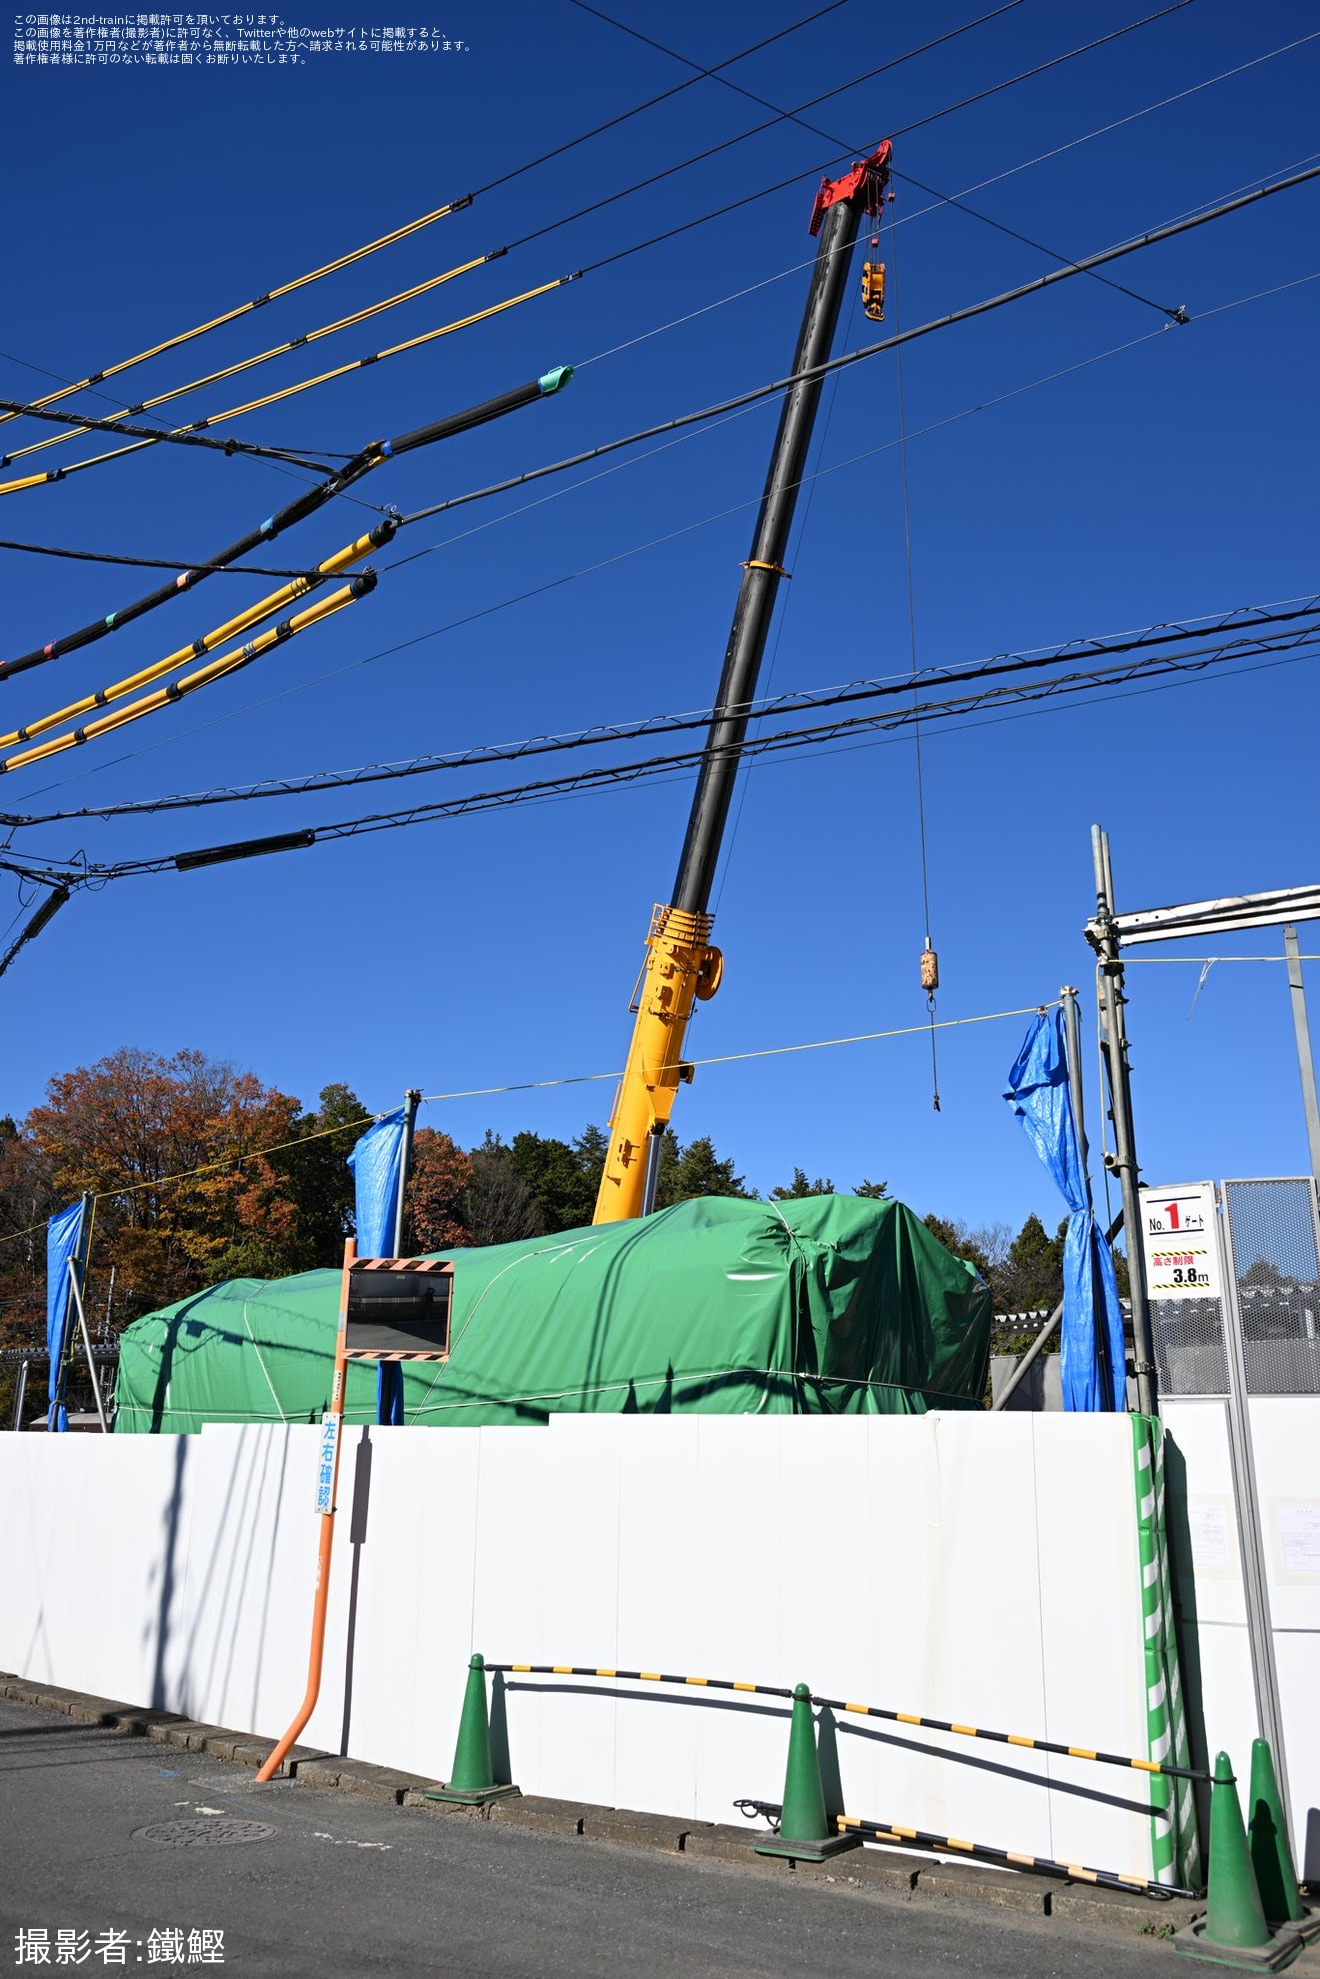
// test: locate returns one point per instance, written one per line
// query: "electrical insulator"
(930, 970)
(873, 290)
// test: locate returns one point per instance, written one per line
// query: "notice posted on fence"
(1180, 1241)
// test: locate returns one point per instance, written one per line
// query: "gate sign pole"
(1180, 1242)
(390, 1310)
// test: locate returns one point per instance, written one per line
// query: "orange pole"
(322, 1595)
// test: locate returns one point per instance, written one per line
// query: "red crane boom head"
(865, 183)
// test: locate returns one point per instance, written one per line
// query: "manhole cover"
(203, 1834)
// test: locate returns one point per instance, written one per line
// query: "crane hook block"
(930, 971)
(873, 290)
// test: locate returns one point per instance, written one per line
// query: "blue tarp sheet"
(63, 1233)
(377, 1164)
(1091, 1343)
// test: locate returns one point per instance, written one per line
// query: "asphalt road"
(347, 1886)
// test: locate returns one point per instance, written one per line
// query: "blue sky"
(1173, 478)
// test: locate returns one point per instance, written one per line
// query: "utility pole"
(682, 966)
(1113, 1037)
(1305, 1061)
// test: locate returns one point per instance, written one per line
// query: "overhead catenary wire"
(353, 469)
(189, 683)
(298, 510)
(303, 385)
(582, 782)
(363, 315)
(422, 288)
(550, 584)
(964, 315)
(410, 227)
(779, 185)
(30, 481)
(944, 199)
(84, 423)
(1252, 630)
(244, 621)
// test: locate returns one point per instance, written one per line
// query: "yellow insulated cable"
(351, 553)
(305, 385)
(246, 308)
(262, 357)
(188, 683)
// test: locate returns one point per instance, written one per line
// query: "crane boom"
(682, 966)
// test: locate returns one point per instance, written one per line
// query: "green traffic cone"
(805, 1831)
(1271, 1856)
(473, 1783)
(1234, 1931)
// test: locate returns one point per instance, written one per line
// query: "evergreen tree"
(875, 1191)
(800, 1186)
(695, 1170)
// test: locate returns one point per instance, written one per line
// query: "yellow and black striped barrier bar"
(1043, 1865)
(636, 1677)
(864, 1711)
(1015, 1738)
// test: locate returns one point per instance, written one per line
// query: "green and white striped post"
(1175, 1852)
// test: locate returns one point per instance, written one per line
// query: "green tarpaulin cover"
(833, 1305)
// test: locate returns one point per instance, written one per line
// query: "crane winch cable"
(264, 608)
(423, 220)
(679, 763)
(1244, 633)
(945, 322)
(304, 385)
(188, 683)
(296, 511)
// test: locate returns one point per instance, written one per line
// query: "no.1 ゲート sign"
(1180, 1241)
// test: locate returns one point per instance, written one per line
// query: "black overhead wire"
(763, 192)
(779, 117)
(945, 199)
(1244, 632)
(293, 512)
(84, 873)
(515, 173)
(1033, 287)
(86, 424)
(538, 234)
(151, 563)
